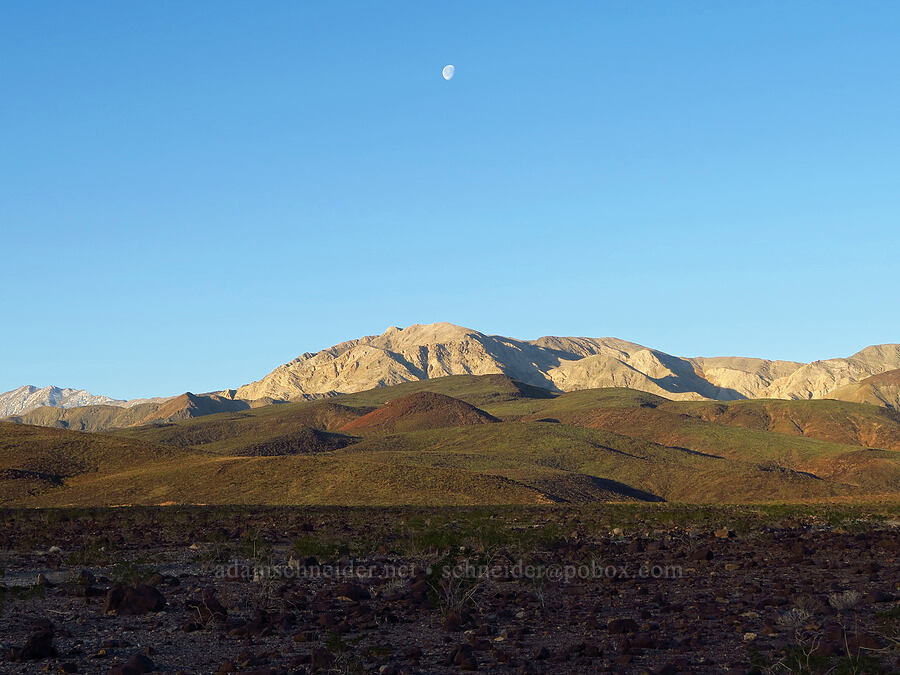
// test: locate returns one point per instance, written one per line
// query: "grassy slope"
(36, 459)
(233, 433)
(609, 444)
(731, 435)
(418, 412)
(561, 460)
(841, 422)
(68, 453)
(292, 479)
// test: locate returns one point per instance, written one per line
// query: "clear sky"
(192, 193)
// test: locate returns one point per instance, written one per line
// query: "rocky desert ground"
(611, 588)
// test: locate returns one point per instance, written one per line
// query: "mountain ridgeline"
(560, 364)
(425, 352)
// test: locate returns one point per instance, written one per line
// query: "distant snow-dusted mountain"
(28, 397)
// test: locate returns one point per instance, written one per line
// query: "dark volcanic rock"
(38, 646)
(207, 607)
(353, 592)
(138, 664)
(464, 658)
(321, 658)
(133, 600)
(702, 554)
(619, 626)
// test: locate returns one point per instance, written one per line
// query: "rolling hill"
(36, 460)
(416, 412)
(469, 440)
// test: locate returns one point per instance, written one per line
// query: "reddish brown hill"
(419, 411)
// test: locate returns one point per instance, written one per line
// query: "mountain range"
(560, 364)
(423, 352)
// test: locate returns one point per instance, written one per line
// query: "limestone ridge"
(560, 363)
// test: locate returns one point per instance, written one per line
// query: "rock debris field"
(443, 591)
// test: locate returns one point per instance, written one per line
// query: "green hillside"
(426, 448)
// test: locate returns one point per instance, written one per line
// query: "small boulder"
(321, 658)
(463, 657)
(621, 626)
(702, 554)
(207, 607)
(38, 646)
(133, 600)
(353, 592)
(138, 664)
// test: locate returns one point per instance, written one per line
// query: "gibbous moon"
(448, 71)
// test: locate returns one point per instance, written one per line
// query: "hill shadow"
(623, 489)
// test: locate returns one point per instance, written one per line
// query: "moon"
(448, 72)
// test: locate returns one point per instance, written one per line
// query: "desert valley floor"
(610, 588)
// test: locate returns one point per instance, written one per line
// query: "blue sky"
(193, 193)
